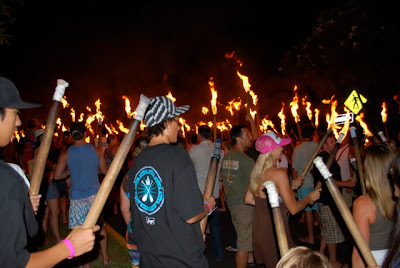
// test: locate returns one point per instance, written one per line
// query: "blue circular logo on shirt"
(149, 193)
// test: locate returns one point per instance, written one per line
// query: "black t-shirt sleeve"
(188, 200)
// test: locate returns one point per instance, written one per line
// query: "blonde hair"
(303, 257)
(378, 158)
(263, 162)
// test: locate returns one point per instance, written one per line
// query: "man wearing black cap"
(17, 219)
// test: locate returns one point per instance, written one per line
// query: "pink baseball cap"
(267, 142)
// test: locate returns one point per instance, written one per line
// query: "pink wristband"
(209, 206)
(70, 247)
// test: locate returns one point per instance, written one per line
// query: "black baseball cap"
(10, 98)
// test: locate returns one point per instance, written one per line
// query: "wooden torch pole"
(44, 148)
(116, 164)
(346, 214)
(278, 219)
(210, 182)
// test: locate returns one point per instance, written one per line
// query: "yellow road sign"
(355, 102)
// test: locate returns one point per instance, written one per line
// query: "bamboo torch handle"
(116, 164)
(315, 153)
(41, 159)
(346, 214)
(278, 220)
(359, 159)
(210, 182)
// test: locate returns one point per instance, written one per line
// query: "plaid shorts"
(330, 228)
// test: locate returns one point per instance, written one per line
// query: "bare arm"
(364, 214)
(249, 198)
(207, 210)
(281, 181)
(81, 239)
(102, 163)
(125, 203)
(61, 171)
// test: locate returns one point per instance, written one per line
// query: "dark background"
(109, 49)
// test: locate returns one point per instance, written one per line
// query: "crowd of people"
(159, 192)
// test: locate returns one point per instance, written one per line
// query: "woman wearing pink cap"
(270, 147)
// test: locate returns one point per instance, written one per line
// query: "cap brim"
(23, 105)
(181, 109)
(284, 141)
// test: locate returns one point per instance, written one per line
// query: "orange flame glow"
(308, 108)
(234, 105)
(282, 117)
(204, 110)
(294, 105)
(73, 114)
(128, 109)
(99, 115)
(108, 128)
(81, 117)
(330, 119)
(346, 126)
(265, 123)
(88, 108)
(89, 121)
(214, 96)
(64, 102)
(169, 96)
(316, 117)
(359, 118)
(384, 113)
(121, 127)
(253, 114)
(87, 139)
(246, 86)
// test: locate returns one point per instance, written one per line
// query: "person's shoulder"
(363, 201)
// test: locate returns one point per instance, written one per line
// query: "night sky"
(113, 49)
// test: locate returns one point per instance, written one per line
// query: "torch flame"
(81, 117)
(347, 123)
(108, 128)
(121, 127)
(282, 117)
(265, 123)
(99, 114)
(383, 113)
(294, 105)
(73, 114)
(330, 119)
(89, 121)
(246, 86)
(308, 108)
(170, 96)
(234, 105)
(214, 96)
(64, 102)
(316, 117)
(359, 118)
(88, 108)
(87, 139)
(253, 114)
(128, 109)
(204, 110)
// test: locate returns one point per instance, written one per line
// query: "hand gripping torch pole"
(44, 148)
(210, 182)
(116, 164)
(344, 210)
(278, 220)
